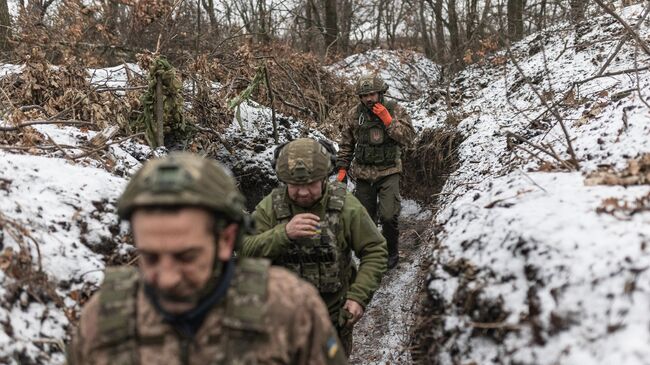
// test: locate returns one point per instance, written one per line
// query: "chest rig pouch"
(243, 322)
(320, 260)
(374, 146)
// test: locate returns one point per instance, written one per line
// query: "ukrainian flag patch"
(332, 347)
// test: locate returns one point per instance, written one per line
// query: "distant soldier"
(189, 301)
(312, 226)
(373, 137)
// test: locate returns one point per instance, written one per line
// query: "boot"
(391, 234)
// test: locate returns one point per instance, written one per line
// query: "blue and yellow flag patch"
(332, 347)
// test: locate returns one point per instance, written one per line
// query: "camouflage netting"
(174, 125)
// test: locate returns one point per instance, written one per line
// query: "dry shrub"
(624, 210)
(43, 91)
(428, 164)
(637, 172)
(301, 87)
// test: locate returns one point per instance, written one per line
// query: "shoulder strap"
(337, 192)
(117, 314)
(280, 205)
(245, 308)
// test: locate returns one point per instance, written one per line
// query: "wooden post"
(160, 113)
(267, 80)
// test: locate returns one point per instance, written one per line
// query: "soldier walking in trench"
(312, 226)
(373, 138)
(189, 301)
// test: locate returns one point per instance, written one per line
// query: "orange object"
(382, 113)
(341, 176)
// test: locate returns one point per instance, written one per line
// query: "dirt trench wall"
(428, 164)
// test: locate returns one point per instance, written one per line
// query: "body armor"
(244, 312)
(320, 260)
(374, 146)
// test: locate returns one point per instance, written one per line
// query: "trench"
(390, 330)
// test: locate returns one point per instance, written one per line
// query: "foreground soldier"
(372, 139)
(191, 302)
(311, 227)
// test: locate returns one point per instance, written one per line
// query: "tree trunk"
(424, 31)
(208, 6)
(577, 9)
(515, 10)
(541, 21)
(472, 18)
(331, 24)
(441, 45)
(5, 26)
(454, 35)
(380, 11)
(309, 29)
(346, 26)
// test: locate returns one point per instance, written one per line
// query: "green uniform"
(356, 232)
(372, 153)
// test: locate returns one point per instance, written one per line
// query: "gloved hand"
(342, 176)
(380, 110)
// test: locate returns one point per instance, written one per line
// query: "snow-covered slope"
(406, 72)
(536, 267)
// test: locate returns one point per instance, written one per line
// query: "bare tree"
(577, 9)
(5, 26)
(331, 32)
(424, 29)
(345, 21)
(515, 9)
(440, 30)
(454, 34)
(208, 6)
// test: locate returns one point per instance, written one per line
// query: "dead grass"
(429, 163)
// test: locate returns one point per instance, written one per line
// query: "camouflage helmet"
(183, 179)
(303, 161)
(368, 84)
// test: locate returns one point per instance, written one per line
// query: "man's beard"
(171, 297)
(306, 203)
(370, 104)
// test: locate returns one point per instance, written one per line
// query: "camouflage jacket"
(292, 327)
(357, 232)
(400, 130)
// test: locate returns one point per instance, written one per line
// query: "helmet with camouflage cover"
(303, 161)
(368, 84)
(183, 179)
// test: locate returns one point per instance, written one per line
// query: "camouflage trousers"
(383, 197)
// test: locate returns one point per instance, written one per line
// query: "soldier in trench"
(312, 226)
(189, 301)
(372, 141)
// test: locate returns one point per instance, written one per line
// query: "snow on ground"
(536, 267)
(61, 205)
(114, 77)
(407, 73)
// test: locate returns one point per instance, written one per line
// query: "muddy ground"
(383, 335)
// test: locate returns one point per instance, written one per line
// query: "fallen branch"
(622, 42)
(65, 154)
(627, 27)
(537, 147)
(553, 111)
(495, 326)
(218, 135)
(40, 122)
(125, 88)
(88, 153)
(614, 73)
